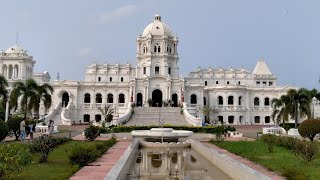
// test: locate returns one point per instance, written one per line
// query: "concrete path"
(100, 168)
(251, 164)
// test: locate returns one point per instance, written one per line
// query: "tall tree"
(206, 111)
(28, 95)
(297, 102)
(3, 90)
(279, 112)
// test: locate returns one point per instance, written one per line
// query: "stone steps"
(150, 116)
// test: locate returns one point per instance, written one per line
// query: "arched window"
(220, 100)
(170, 50)
(98, 98)
(239, 100)
(266, 101)
(257, 119)
(227, 82)
(204, 101)
(144, 70)
(87, 98)
(155, 49)
(205, 83)
(110, 79)
(97, 117)
(256, 101)
(159, 49)
(156, 70)
(193, 99)
(230, 100)
(86, 118)
(110, 98)
(230, 119)
(121, 79)
(121, 98)
(267, 119)
(99, 79)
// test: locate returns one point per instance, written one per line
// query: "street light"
(314, 102)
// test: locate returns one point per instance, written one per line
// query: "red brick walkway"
(100, 168)
(251, 164)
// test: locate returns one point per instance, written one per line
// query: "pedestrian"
(51, 127)
(23, 130)
(31, 128)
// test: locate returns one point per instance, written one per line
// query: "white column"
(7, 111)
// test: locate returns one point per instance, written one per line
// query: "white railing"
(45, 129)
(189, 118)
(125, 117)
(64, 119)
(52, 113)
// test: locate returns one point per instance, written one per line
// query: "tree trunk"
(296, 118)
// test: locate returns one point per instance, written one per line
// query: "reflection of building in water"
(173, 163)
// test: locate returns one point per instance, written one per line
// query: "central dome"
(16, 49)
(157, 28)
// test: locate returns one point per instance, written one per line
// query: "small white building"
(240, 96)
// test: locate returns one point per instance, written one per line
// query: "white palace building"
(239, 95)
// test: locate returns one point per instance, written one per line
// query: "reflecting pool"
(173, 164)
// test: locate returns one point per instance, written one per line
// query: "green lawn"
(58, 165)
(283, 161)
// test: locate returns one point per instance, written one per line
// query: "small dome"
(157, 28)
(16, 49)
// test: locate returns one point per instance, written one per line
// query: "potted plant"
(107, 112)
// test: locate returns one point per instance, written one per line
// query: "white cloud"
(84, 52)
(105, 17)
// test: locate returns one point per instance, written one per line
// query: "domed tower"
(157, 51)
(16, 64)
(157, 79)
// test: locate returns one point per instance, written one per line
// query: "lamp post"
(314, 102)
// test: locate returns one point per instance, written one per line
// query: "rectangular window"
(270, 83)
(205, 83)
(258, 83)
(156, 70)
(144, 70)
(264, 83)
(217, 82)
(169, 70)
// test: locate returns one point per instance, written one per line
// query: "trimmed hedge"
(83, 155)
(205, 129)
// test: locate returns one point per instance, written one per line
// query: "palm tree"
(297, 102)
(278, 112)
(206, 111)
(107, 112)
(29, 94)
(3, 90)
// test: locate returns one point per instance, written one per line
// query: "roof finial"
(157, 17)
(58, 76)
(17, 38)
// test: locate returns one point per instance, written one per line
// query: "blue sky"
(66, 36)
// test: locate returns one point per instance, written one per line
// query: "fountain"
(161, 134)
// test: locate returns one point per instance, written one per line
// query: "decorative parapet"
(194, 121)
(125, 117)
(64, 119)
(52, 113)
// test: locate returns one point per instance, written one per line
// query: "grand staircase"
(144, 116)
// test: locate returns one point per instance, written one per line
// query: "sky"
(66, 36)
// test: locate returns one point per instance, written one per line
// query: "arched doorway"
(157, 98)
(139, 100)
(175, 100)
(65, 99)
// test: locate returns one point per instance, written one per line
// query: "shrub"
(14, 125)
(270, 139)
(3, 130)
(286, 142)
(13, 158)
(294, 173)
(43, 144)
(92, 132)
(306, 150)
(83, 155)
(309, 128)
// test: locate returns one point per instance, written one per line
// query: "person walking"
(51, 127)
(31, 128)
(23, 130)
